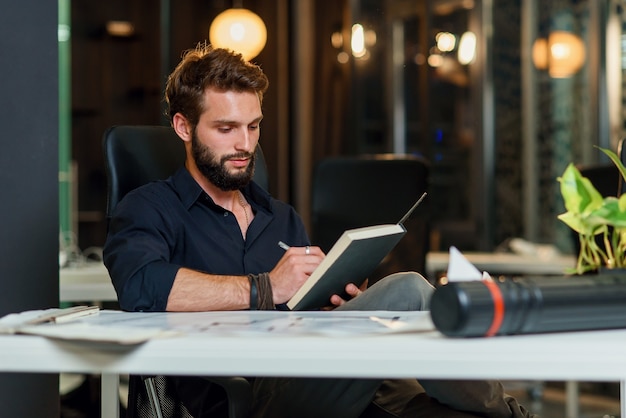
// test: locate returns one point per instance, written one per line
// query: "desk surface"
(591, 355)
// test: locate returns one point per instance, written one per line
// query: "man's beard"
(215, 171)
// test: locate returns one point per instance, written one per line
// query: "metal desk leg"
(571, 399)
(622, 397)
(110, 396)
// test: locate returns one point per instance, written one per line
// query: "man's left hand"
(352, 290)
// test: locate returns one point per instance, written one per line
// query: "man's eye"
(225, 130)
(253, 127)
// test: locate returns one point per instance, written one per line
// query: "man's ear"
(182, 127)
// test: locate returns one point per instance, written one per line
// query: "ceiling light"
(240, 30)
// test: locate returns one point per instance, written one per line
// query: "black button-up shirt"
(158, 228)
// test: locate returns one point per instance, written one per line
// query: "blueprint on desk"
(136, 327)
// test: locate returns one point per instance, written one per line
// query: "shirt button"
(225, 214)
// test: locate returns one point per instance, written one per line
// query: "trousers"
(349, 398)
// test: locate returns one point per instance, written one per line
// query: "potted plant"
(599, 221)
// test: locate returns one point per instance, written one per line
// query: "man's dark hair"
(207, 67)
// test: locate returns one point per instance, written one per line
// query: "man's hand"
(292, 271)
(352, 290)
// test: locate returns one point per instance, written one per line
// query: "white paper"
(87, 328)
(460, 269)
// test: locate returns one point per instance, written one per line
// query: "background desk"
(590, 356)
(91, 282)
(87, 282)
(502, 264)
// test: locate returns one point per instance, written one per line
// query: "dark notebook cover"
(353, 257)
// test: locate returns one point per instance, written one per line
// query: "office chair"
(352, 192)
(136, 155)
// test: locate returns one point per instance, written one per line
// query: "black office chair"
(136, 155)
(352, 192)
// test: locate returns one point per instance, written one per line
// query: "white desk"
(87, 282)
(589, 356)
(503, 263)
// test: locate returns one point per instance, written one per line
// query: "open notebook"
(351, 259)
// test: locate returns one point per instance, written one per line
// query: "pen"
(283, 245)
(64, 315)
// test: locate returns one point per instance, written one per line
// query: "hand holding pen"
(351, 289)
(292, 270)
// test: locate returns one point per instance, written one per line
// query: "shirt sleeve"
(137, 252)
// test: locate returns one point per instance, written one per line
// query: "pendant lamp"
(240, 30)
(562, 54)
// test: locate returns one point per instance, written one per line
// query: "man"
(207, 239)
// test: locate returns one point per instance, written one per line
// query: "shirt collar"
(190, 192)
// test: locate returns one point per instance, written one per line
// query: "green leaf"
(622, 202)
(574, 221)
(609, 214)
(590, 215)
(579, 195)
(616, 160)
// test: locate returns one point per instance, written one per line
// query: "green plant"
(592, 216)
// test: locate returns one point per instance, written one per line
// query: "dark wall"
(115, 81)
(28, 180)
(120, 80)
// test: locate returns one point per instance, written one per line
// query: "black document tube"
(529, 305)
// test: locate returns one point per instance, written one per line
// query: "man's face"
(225, 138)
(215, 169)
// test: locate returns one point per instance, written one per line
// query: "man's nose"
(245, 141)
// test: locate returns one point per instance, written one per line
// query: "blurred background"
(498, 96)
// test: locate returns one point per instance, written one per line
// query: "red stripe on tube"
(498, 308)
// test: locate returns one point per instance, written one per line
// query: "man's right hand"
(292, 271)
